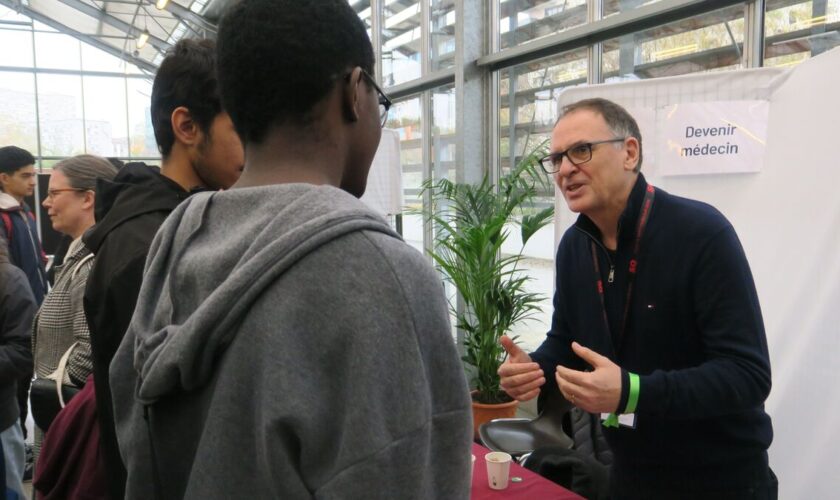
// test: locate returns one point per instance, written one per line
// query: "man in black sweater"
(656, 324)
(200, 151)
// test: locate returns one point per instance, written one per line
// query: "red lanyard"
(633, 268)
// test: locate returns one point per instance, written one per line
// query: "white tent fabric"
(384, 187)
(788, 219)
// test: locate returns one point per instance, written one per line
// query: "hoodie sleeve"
(17, 310)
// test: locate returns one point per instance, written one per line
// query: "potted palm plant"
(472, 222)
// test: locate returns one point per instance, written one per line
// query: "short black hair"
(186, 77)
(13, 158)
(278, 58)
(618, 119)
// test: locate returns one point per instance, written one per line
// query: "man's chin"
(575, 206)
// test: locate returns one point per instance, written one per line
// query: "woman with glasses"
(60, 326)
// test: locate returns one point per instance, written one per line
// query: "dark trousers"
(23, 400)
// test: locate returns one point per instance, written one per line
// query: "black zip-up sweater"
(694, 335)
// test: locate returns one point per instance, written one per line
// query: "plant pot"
(487, 412)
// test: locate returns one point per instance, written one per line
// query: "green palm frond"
(471, 224)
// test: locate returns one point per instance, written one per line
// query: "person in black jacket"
(656, 325)
(200, 151)
(17, 309)
(20, 230)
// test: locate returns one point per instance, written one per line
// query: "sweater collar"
(627, 220)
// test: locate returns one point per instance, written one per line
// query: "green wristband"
(633, 397)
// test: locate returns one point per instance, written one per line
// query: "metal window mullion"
(425, 37)
(753, 52)
(84, 115)
(494, 135)
(127, 120)
(595, 12)
(71, 72)
(495, 31)
(376, 36)
(37, 105)
(425, 118)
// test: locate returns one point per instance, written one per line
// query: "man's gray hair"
(83, 170)
(620, 122)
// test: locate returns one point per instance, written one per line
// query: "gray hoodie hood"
(201, 257)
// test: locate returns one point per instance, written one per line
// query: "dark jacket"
(24, 246)
(695, 336)
(17, 309)
(129, 210)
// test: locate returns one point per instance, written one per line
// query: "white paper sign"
(712, 137)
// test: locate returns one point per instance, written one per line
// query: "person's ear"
(4, 178)
(351, 95)
(88, 200)
(185, 129)
(631, 158)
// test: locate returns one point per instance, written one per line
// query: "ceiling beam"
(186, 14)
(90, 40)
(121, 25)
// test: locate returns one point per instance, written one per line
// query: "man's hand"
(598, 391)
(520, 377)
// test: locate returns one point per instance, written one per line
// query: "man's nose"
(566, 167)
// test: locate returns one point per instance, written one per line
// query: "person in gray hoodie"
(286, 342)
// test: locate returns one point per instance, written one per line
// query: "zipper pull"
(611, 277)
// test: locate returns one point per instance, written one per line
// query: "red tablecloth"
(532, 487)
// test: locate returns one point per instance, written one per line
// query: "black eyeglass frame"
(554, 160)
(384, 101)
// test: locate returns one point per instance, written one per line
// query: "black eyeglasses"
(384, 101)
(577, 154)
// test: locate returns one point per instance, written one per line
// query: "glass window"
(405, 117)
(142, 142)
(615, 6)
(442, 34)
(17, 114)
(362, 8)
(94, 59)
(401, 41)
(528, 101)
(709, 42)
(20, 39)
(528, 109)
(443, 132)
(60, 109)
(54, 50)
(7, 14)
(796, 31)
(106, 123)
(521, 22)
